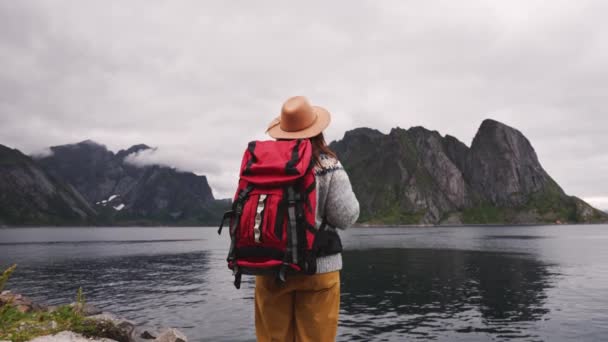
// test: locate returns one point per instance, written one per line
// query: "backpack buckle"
(292, 196)
(282, 275)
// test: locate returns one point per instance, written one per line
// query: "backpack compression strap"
(291, 252)
(238, 210)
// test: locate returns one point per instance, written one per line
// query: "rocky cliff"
(413, 176)
(125, 193)
(31, 196)
(419, 176)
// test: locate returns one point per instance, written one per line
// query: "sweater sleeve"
(342, 207)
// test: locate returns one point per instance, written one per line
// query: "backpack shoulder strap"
(295, 156)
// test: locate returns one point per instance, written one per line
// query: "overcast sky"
(200, 79)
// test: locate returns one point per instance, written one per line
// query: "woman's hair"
(319, 146)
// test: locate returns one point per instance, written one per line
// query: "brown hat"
(299, 119)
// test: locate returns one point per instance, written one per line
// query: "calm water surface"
(440, 284)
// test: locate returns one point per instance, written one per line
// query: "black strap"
(307, 192)
(228, 214)
(281, 210)
(311, 228)
(296, 236)
(290, 168)
(282, 275)
(323, 224)
(238, 210)
(237, 279)
(291, 252)
(301, 227)
(292, 235)
(265, 252)
(244, 193)
(252, 159)
(233, 228)
(311, 187)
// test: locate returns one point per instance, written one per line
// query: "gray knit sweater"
(335, 201)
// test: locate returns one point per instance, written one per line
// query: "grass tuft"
(17, 326)
(5, 275)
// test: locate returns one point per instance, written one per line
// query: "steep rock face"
(389, 197)
(30, 196)
(503, 166)
(403, 177)
(160, 190)
(418, 176)
(456, 151)
(88, 166)
(437, 162)
(128, 193)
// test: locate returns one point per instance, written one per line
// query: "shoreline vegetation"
(21, 319)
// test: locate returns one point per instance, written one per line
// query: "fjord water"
(543, 283)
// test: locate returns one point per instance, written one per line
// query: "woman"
(306, 307)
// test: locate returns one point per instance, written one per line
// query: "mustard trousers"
(305, 308)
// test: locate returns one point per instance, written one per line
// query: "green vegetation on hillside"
(485, 214)
(392, 215)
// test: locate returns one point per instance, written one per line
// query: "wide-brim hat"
(298, 120)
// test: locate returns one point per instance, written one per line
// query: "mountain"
(421, 177)
(30, 196)
(408, 176)
(124, 193)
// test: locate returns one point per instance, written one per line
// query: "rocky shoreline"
(119, 328)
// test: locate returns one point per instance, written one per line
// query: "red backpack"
(272, 221)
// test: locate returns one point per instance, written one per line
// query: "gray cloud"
(42, 153)
(199, 80)
(175, 158)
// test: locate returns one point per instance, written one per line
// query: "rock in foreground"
(68, 336)
(171, 335)
(26, 319)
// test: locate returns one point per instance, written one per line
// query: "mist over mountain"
(124, 192)
(413, 176)
(416, 176)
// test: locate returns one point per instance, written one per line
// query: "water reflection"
(442, 294)
(440, 284)
(136, 286)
